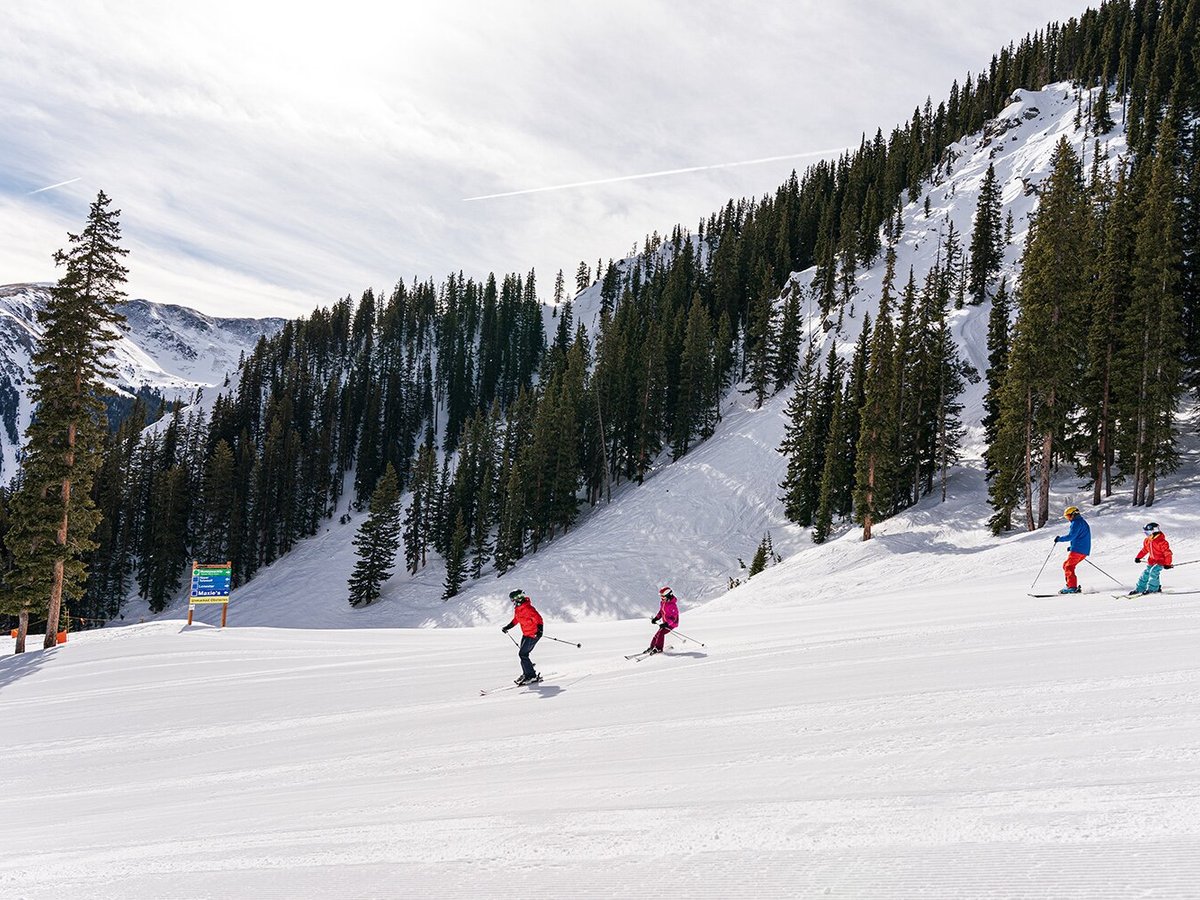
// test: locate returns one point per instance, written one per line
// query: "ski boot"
(1069, 590)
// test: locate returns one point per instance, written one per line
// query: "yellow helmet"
(1070, 511)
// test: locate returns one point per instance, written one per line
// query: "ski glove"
(1168, 567)
(539, 631)
(654, 620)
(505, 628)
(1137, 559)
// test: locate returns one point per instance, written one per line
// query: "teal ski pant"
(1149, 580)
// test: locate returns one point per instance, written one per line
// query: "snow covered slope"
(893, 720)
(172, 349)
(1020, 143)
(693, 520)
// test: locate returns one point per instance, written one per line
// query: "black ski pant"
(527, 645)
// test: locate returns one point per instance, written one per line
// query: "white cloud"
(268, 156)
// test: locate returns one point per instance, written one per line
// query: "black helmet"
(517, 597)
(1150, 528)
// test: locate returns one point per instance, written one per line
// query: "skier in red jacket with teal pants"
(668, 613)
(530, 621)
(1157, 553)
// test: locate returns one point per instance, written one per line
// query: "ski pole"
(1101, 571)
(686, 638)
(1188, 563)
(572, 643)
(1043, 568)
(513, 639)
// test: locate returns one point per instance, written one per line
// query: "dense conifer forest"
(496, 432)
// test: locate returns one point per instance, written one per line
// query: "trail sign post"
(210, 584)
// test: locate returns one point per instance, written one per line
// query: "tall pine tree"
(377, 541)
(54, 515)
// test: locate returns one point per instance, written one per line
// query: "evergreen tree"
(1151, 364)
(950, 271)
(695, 375)
(1053, 303)
(832, 474)
(166, 555)
(1102, 121)
(801, 443)
(760, 350)
(510, 543)
(986, 247)
(1113, 244)
(1010, 454)
(875, 462)
(950, 379)
(377, 541)
(560, 290)
(456, 559)
(787, 355)
(999, 323)
(762, 556)
(54, 515)
(418, 519)
(219, 502)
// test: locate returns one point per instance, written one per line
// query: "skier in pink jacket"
(667, 615)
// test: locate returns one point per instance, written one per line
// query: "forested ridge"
(499, 430)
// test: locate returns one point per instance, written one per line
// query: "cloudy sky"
(268, 157)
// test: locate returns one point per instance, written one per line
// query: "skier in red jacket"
(1157, 552)
(531, 631)
(668, 613)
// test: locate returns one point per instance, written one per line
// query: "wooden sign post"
(210, 584)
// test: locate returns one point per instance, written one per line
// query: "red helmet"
(664, 592)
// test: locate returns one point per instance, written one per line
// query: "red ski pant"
(1073, 559)
(657, 641)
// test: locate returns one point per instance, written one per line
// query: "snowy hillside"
(693, 520)
(1020, 143)
(172, 349)
(891, 719)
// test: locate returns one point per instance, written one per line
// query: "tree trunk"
(1139, 458)
(869, 497)
(56, 584)
(1106, 454)
(1029, 526)
(22, 630)
(1044, 478)
(942, 453)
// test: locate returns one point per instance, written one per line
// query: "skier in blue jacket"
(1079, 545)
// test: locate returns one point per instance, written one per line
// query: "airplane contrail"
(728, 165)
(51, 187)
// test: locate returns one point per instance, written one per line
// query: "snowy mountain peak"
(170, 349)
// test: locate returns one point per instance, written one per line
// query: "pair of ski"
(487, 692)
(638, 657)
(1128, 596)
(483, 692)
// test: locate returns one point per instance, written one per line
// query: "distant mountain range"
(166, 348)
